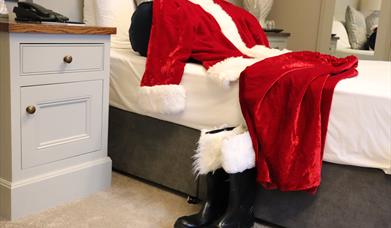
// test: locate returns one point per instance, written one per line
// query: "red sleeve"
(169, 44)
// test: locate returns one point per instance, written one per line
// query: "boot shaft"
(217, 189)
(242, 189)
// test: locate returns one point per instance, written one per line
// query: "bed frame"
(160, 152)
(154, 150)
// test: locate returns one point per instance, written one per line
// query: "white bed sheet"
(359, 131)
(207, 106)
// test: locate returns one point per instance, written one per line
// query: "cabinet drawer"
(60, 58)
(60, 121)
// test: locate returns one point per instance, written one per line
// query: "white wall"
(301, 19)
(383, 40)
(70, 8)
(340, 8)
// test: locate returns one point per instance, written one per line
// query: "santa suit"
(226, 40)
(215, 33)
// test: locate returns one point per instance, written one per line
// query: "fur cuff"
(237, 153)
(163, 99)
(208, 154)
(229, 70)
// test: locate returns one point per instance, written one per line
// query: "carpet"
(129, 203)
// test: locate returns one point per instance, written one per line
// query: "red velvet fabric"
(285, 99)
(286, 102)
(182, 30)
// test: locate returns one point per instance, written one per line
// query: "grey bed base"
(160, 152)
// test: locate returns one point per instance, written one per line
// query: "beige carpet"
(129, 203)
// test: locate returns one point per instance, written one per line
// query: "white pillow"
(372, 21)
(356, 28)
(116, 13)
(340, 31)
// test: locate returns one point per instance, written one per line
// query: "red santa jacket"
(223, 37)
(285, 100)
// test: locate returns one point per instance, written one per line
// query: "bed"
(358, 103)
(158, 148)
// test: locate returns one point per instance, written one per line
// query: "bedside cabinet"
(278, 40)
(54, 82)
(333, 44)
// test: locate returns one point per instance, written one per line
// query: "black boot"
(215, 205)
(240, 212)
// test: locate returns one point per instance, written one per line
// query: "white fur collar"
(231, 32)
(227, 25)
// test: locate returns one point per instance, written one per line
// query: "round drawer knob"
(68, 59)
(31, 109)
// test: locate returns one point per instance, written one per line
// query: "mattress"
(207, 106)
(359, 131)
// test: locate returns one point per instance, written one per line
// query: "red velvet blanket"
(286, 103)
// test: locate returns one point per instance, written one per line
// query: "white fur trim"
(237, 153)
(263, 52)
(208, 154)
(164, 99)
(227, 25)
(229, 70)
(231, 32)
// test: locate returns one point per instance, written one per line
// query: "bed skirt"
(348, 196)
(160, 152)
(153, 150)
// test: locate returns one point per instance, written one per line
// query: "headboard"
(113, 14)
(116, 14)
(89, 9)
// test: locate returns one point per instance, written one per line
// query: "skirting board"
(36, 194)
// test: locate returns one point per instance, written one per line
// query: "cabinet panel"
(278, 40)
(60, 58)
(60, 121)
(278, 45)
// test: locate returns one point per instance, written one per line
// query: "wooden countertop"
(7, 25)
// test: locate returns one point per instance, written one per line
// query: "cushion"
(340, 31)
(372, 21)
(356, 28)
(115, 14)
(140, 28)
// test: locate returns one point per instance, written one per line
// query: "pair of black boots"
(229, 202)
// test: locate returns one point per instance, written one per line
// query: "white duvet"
(359, 131)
